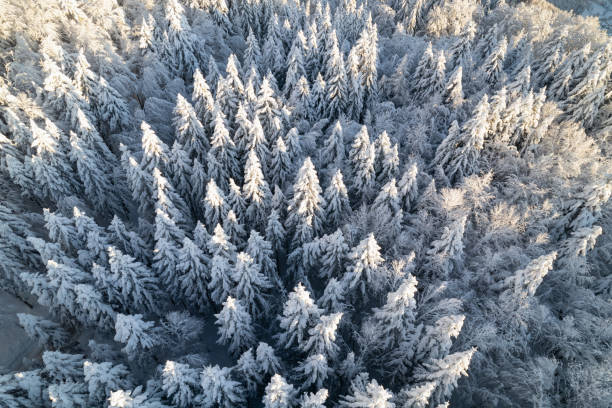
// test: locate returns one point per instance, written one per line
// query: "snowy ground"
(16, 348)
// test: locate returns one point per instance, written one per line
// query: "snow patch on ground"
(17, 350)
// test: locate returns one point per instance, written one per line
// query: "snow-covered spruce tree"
(190, 133)
(193, 263)
(103, 378)
(235, 325)
(279, 394)
(219, 389)
(256, 191)
(134, 284)
(305, 207)
(363, 268)
(299, 314)
(137, 335)
(180, 383)
(459, 152)
(362, 158)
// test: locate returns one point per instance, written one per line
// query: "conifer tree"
(336, 202)
(395, 318)
(397, 85)
(222, 162)
(140, 182)
(219, 244)
(408, 187)
(336, 80)
(333, 296)
(314, 370)
(364, 266)
(51, 165)
(180, 383)
(251, 284)
(212, 73)
(584, 100)
(300, 98)
(300, 313)
(137, 334)
(98, 186)
(436, 341)
(155, 153)
(387, 158)
(248, 370)
(362, 158)
(333, 153)
(445, 373)
(387, 203)
(235, 327)
(180, 170)
(322, 338)
(275, 231)
(61, 96)
(278, 393)
(446, 253)
(256, 141)
(295, 63)
(367, 395)
(453, 91)
(180, 47)
(316, 400)
(256, 191)
(62, 367)
(220, 390)
(461, 50)
(127, 241)
(317, 100)
(305, 207)
(235, 230)
(168, 200)
(102, 378)
(110, 107)
(267, 108)
(61, 230)
(280, 163)
(242, 128)
(252, 53)
(366, 52)
(424, 73)
(220, 284)
(134, 283)
(267, 360)
(334, 251)
(189, 131)
(492, 69)
(261, 252)
(519, 289)
(215, 205)
(193, 265)
(458, 154)
(84, 79)
(294, 145)
(45, 332)
(203, 101)
(273, 50)
(197, 181)
(235, 199)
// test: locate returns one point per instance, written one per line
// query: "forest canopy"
(300, 203)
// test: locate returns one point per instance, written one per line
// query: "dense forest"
(301, 203)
